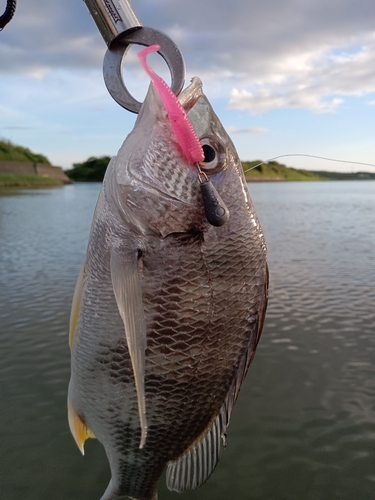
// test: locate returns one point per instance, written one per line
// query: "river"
(304, 425)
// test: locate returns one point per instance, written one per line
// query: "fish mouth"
(191, 94)
(188, 98)
(153, 105)
(153, 109)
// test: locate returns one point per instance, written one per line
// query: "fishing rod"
(8, 13)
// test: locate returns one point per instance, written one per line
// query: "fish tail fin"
(111, 493)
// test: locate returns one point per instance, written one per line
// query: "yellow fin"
(79, 429)
(76, 304)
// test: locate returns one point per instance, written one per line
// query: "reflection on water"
(304, 425)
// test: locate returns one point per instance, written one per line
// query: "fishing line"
(310, 156)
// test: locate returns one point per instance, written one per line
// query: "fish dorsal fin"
(196, 465)
(127, 289)
(76, 305)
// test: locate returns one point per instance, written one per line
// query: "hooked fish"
(170, 301)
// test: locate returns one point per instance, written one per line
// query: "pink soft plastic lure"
(181, 126)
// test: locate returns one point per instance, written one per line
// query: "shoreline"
(264, 179)
(28, 181)
(31, 174)
(8, 180)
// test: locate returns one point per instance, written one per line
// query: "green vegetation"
(340, 176)
(12, 152)
(274, 171)
(91, 170)
(31, 181)
(278, 172)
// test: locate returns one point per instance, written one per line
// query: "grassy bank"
(13, 152)
(274, 171)
(31, 181)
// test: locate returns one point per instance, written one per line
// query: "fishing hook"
(8, 13)
(120, 28)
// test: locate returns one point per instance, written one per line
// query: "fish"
(169, 304)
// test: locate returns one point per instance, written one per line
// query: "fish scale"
(170, 175)
(211, 339)
(170, 309)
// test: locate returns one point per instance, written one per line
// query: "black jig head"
(215, 209)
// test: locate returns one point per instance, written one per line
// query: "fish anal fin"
(195, 466)
(128, 293)
(76, 305)
(78, 428)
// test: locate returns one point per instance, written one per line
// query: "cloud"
(249, 130)
(258, 55)
(318, 81)
(268, 99)
(17, 127)
(45, 35)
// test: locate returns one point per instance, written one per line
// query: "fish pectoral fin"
(78, 428)
(76, 305)
(195, 466)
(128, 292)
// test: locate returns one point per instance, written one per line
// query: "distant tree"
(91, 170)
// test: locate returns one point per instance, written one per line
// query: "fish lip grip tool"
(120, 28)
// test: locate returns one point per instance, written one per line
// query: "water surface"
(304, 424)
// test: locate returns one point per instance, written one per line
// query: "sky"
(284, 76)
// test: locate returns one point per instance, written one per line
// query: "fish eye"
(209, 153)
(214, 155)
